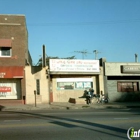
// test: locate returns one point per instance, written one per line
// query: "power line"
(84, 23)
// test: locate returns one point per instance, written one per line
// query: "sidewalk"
(67, 105)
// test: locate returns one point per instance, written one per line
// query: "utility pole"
(43, 56)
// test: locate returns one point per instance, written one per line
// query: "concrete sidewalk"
(68, 105)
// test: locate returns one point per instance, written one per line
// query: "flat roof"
(12, 14)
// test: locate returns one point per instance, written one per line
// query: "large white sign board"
(72, 65)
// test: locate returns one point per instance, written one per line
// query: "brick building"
(14, 56)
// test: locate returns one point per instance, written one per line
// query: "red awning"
(11, 72)
(5, 43)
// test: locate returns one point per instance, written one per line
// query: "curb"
(68, 107)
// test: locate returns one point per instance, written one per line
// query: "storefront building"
(68, 78)
(122, 81)
(14, 56)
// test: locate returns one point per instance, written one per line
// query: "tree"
(39, 63)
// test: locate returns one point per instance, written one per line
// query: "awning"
(11, 72)
(5, 43)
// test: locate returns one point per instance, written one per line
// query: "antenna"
(83, 53)
(96, 53)
(136, 57)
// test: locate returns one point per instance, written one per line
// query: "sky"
(69, 27)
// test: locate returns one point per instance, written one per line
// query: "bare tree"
(39, 63)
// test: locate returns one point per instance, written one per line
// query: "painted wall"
(65, 95)
(113, 69)
(31, 75)
(115, 96)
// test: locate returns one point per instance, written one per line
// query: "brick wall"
(14, 27)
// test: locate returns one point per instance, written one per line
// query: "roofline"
(12, 15)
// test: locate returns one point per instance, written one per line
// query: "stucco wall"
(31, 74)
(112, 91)
(65, 95)
(101, 80)
(114, 69)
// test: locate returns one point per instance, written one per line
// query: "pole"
(136, 58)
(95, 51)
(49, 86)
(43, 56)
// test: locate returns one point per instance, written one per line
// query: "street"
(80, 124)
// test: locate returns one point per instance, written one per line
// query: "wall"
(14, 27)
(113, 69)
(31, 74)
(114, 75)
(101, 81)
(65, 95)
(115, 96)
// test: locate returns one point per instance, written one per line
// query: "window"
(83, 85)
(5, 47)
(5, 51)
(127, 86)
(65, 85)
(74, 83)
(38, 87)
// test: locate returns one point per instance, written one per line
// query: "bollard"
(35, 97)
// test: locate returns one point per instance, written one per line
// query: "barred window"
(38, 86)
(127, 86)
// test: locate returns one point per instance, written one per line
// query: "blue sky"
(64, 26)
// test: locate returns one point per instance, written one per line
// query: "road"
(86, 124)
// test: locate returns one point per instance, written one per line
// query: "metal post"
(35, 97)
(95, 51)
(136, 58)
(49, 86)
(24, 99)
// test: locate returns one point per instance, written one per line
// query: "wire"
(84, 23)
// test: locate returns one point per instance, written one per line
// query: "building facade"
(37, 91)
(14, 56)
(62, 80)
(122, 81)
(69, 78)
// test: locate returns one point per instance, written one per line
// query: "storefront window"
(128, 86)
(9, 89)
(65, 85)
(74, 83)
